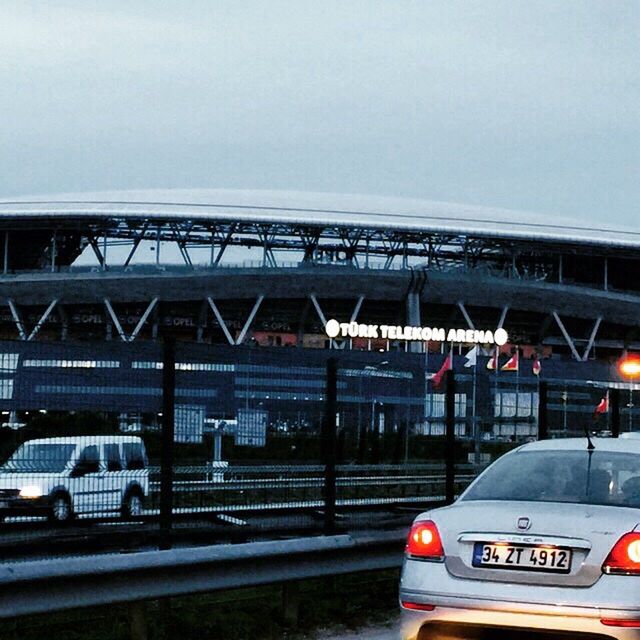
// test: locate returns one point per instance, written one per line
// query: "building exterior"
(246, 281)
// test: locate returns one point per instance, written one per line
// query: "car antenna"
(590, 446)
(590, 449)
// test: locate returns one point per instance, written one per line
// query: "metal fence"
(142, 444)
(114, 446)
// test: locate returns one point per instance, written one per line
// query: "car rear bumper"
(473, 618)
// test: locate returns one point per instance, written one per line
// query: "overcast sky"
(527, 104)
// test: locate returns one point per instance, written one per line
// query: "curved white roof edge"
(345, 210)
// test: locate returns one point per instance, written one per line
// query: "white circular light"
(332, 328)
(426, 536)
(501, 337)
(633, 551)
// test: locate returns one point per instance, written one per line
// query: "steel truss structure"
(54, 244)
(578, 286)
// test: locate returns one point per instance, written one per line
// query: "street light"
(629, 367)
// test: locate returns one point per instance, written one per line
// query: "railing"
(56, 585)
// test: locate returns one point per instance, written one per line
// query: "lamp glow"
(31, 491)
(629, 367)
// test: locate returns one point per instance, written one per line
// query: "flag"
(471, 359)
(494, 360)
(537, 366)
(513, 364)
(446, 365)
(603, 407)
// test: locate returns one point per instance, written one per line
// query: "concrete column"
(413, 316)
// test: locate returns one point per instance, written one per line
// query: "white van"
(67, 476)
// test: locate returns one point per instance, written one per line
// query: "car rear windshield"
(39, 458)
(600, 477)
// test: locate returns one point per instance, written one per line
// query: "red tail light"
(424, 541)
(620, 622)
(625, 556)
(417, 606)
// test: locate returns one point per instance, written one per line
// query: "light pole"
(629, 368)
(370, 370)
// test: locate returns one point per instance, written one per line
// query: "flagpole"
(476, 426)
(538, 389)
(497, 398)
(515, 421)
(426, 384)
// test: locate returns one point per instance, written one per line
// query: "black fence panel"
(102, 449)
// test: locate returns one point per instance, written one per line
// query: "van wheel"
(132, 504)
(60, 511)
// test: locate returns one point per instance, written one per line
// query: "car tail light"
(417, 606)
(424, 541)
(624, 558)
(620, 622)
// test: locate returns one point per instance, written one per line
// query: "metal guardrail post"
(138, 620)
(329, 445)
(614, 399)
(290, 604)
(168, 427)
(450, 436)
(543, 411)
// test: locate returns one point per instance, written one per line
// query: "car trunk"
(589, 531)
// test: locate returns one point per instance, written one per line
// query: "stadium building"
(247, 280)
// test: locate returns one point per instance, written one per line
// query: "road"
(387, 631)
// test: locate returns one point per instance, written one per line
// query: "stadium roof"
(319, 209)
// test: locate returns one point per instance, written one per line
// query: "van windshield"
(600, 477)
(39, 458)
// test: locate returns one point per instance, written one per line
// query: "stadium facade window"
(140, 391)
(278, 395)
(6, 389)
(435, 404)
(9, 361)
(293, 383)
(186, 366)
(376, 373)
(73, 364)
(298, 371)
(508, 404)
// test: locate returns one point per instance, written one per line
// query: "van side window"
(112, 457)
(90, 459)
(133, 456)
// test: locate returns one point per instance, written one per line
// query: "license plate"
(524, 558)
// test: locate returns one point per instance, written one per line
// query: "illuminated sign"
(335, 329)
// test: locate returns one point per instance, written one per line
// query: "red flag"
(494, 360)
(603, 407)
(446, 365)
(537, 366)
(513, 364)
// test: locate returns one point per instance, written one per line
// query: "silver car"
(544, 544)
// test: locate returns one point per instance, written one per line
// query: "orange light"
(629, 367)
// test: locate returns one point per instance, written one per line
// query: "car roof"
(622, 445)
(85, 440)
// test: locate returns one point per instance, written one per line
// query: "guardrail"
(55, 585)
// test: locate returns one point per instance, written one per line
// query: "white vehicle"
(68, 476)
(544, 544)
